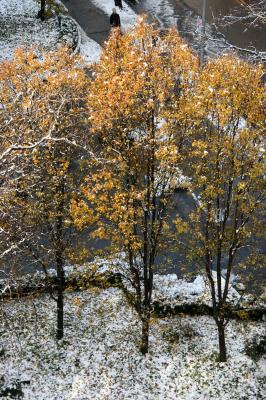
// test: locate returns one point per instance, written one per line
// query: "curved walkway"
(92, 20)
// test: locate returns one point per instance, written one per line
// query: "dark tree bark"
(151, 234)
(144, 348)
(60, 263)
(60, 298)
(142, 275)
(222, 346)
(41, 13)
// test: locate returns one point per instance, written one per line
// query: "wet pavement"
(92, 20)
(238, 34)
(184, 14)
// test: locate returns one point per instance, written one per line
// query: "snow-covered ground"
(169, 289)
(89, 49)
(162, 11)
(19, 27)
(99, 358)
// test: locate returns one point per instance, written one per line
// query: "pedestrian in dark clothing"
(115, 19)
(118, 3)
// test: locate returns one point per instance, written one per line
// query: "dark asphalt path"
(171, 12)
(239, 34)
(92, 19)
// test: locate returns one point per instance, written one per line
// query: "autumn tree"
(228, 171)
(42, 119)
(135, 100)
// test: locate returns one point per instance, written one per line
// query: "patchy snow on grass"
(127, 15)
(89, 49)
(99, 357)
(168, 290)
(172, 291)
(19, 27)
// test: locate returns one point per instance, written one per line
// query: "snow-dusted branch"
(250, 13)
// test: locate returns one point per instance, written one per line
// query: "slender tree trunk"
(60, 262)
(60, 316)
(41, 13)
(144, 348)
(60, 298)
(222, 345)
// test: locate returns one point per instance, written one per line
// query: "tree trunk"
(59, 251)
(60, 316)
(41, 13)
(144, 348)
(60, 299)
(222, 345)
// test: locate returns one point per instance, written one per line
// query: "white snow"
(19, 27)
(169, 286)
(89, 49)
(99, 357)
(162, 9)
(170, 290)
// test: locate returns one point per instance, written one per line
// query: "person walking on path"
(118, 3)
(115, 19)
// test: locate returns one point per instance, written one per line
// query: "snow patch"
(99, 356)
(19, 27)
(89, 49)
